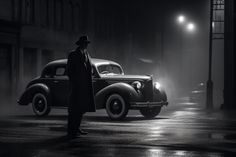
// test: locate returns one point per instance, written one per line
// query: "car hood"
(127, 77)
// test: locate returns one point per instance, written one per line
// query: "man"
(81, 98)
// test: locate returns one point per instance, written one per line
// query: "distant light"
(181, 19)
(190, 27)
(146, 60)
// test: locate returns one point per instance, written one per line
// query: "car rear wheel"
(116, 107)
(150, 112)
(41, 105)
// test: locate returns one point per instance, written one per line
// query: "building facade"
(32, 33)
(229, 55)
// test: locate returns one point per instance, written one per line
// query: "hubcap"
(116, 106)
(39, 104)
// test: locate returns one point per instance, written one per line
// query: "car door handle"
(55, 81)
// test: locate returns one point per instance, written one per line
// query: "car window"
(60, 71)
(109, 69)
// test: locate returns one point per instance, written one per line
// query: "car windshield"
(109, 69)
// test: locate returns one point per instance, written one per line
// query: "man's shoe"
(81, 132)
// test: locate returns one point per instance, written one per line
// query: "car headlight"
(157, 85)
(137, 85)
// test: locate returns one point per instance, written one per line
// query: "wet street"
(182, 131)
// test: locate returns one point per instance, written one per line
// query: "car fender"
(125, 90)
(159, 95)
(27, 96)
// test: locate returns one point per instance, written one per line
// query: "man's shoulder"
(74, 53)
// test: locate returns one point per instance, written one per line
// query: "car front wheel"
(40, 104)
(150, 112)
(116, 107)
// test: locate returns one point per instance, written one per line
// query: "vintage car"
(113, 90)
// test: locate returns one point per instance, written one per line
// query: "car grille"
(148, 90)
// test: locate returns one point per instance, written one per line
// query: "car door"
(60, 87)
(98, 82)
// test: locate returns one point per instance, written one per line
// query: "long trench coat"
(79, 70)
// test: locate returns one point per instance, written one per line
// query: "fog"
(146, 39)
(155, 44)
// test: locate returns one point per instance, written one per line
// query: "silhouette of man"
(81, 99)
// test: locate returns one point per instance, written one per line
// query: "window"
(45, 13)
(109, 69)
(30, 11)
(58, 13)
(218, 19)
(60, 71)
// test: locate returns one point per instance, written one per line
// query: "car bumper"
(147, 104)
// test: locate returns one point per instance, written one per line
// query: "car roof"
(95, 61)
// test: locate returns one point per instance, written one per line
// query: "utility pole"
(216, 32)
(209, 101)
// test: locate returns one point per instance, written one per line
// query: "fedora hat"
(83, 39)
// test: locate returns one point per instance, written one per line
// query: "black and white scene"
(115, 78)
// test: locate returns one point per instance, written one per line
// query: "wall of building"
(36, 32)
(229, 55)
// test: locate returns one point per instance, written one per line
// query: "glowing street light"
(190, 27)
(185, 27)
(181, 19)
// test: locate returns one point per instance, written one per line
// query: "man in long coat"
(81, 98)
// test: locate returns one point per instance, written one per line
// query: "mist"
(153, 43)
(144, 37)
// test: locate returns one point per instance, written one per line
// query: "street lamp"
(190, 27)
(181, 19)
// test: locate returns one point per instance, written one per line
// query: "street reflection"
(185, 113)
(155, 152)
(180, 153)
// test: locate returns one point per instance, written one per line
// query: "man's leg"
(72, 124)
(80, 131)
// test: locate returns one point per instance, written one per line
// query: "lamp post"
(209, 96)
(188, 27)
(181, 20)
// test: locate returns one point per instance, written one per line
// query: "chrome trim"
(148, 104)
